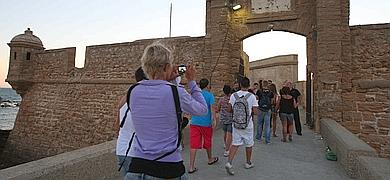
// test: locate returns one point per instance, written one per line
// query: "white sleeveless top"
(125, 132)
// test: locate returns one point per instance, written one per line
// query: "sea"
(8, 114)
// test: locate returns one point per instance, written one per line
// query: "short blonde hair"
(155, 57)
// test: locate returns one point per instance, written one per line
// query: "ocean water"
(8, 114)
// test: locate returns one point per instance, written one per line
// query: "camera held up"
(182, 69)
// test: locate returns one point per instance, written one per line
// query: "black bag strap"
(123, 122)
(128, 103)
(179, 120)
(127, 151)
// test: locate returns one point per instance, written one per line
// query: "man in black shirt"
(264, 115)
(297, 96)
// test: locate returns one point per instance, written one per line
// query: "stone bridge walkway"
(301, 159)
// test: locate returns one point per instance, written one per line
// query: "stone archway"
(325, 24)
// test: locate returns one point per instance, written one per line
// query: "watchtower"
(24, 48)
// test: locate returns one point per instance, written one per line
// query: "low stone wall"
(352, 152)
(373, 168)
(94, 162)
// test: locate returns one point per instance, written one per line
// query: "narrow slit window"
(28, 57)
(14, 55)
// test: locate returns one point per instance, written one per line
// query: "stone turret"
(23, 49)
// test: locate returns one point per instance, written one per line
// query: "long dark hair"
(227, 89)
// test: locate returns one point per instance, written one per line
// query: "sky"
(81, 23)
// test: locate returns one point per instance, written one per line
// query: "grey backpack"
(241, 113)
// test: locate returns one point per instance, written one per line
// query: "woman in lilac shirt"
(155, 119)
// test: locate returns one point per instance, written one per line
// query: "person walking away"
(201, 128)
(156, 115)
(297, 96)
(286, 107)
(264, 117)
(243, 104)
(274, 114)
(226, 118)
(125, 131)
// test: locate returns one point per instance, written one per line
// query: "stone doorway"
(280, 56)
(227, 28)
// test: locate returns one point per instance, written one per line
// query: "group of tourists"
(271, 104)
(150, 118)
(264, 101)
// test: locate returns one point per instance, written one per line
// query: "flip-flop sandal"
(214, 161)
(194, 170)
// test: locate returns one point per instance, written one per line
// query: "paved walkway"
(303, 158)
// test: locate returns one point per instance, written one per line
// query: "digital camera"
(182, 69)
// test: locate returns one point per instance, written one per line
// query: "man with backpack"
(243, 105)
(265, 98)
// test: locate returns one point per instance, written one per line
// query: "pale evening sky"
(75, 23)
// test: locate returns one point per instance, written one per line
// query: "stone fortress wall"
(278, 69)
(366, 100)
(66, 108)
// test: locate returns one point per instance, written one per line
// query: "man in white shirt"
(126, 131)
(243, 136)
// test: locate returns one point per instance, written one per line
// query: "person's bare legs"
(229, 166)
(290, 126)
(228, 141)
(192, 159)
(224, 141)
(284, 129)
(210, 155)
(233, 151)
(274, 124)
(248, 151)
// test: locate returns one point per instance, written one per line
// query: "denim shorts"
(227, 128)
(126, 164)
(289, 117)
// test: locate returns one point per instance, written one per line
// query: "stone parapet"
(346, 145)
(372, 168)
(95, 162)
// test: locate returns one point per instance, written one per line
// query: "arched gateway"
(66, 108)
(325, 24)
